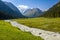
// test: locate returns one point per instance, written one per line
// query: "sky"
(41, 4)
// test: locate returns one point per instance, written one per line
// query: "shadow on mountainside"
(4, 16)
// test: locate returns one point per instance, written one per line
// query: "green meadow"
(50, 24)
(8, 32)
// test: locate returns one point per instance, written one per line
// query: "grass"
(50, 24)
(7, 32)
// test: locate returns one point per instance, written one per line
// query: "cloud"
(22, 7)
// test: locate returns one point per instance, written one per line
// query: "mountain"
(35, 12)
(12, 6)
(8, 10)
(53, 11)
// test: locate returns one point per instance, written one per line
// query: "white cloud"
(22, 7)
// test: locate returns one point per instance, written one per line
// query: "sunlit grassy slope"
(7, 32)
(51, 24)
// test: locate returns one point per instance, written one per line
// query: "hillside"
(9, 11)
(7, 32)
(53, 11)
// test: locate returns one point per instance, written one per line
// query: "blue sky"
(41, 4)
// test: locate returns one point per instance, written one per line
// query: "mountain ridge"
(6, 12)
(35, 12)
(53, 11)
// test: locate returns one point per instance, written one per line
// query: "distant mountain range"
(8, 10)
(53, 11)
(35, 12)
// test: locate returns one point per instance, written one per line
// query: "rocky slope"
(35, 12)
